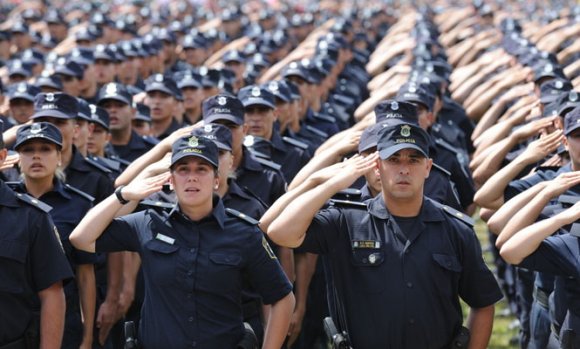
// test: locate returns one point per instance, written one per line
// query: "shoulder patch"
(109, 163)
(459, 215)
(348, 194)
(268, 163)
(348, 204)
(98, 166)
(34, 202)
(441, 169)
(79, 192)
(121, 161)
(443, 144)
(317, 131)
(241, 216)
(295, 143)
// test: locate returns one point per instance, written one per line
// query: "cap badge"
(207, 128)
(249, 141)
(405, 130)
(193, 142)
(395, 106)
(549, 68)
(573, 96)
(21, 88)
(111, 89)
(17, 65)
(256, 92)
(159, 78)
(93, 108)
(35, 128)
(273, 86)
(49, 97)
(222, 100)
(558, 84)
(412, 89)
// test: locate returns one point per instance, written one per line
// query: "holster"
(337, 339)
(567, 339)
(461, 339)
(131, 341)
(249, 341)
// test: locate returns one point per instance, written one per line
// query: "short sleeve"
(48, 261)
(122, 234)
(323, 232)
(477, 286)
(264, 270)
(557, 255)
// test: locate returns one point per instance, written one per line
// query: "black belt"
(541, 297)
(17, 344)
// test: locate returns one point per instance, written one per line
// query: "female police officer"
(39, 146)
(193, 258)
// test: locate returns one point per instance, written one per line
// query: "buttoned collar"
(57, 187)
(218, 213)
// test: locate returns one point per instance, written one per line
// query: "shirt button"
(409, 284)
(194, 344)
(411, 321)
(192, 250)
(190, 319)
(190, 273)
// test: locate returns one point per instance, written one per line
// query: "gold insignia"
(193, 142)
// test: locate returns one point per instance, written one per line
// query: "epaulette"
(98, 166)
(317, 131)
(575, 230)
(156, 203)
(348, 194)
(348, 204)
(150, 140)
(120, 160)
(568, 200)
(110, 164)
(326, 118)
(268, 163)
(253, 195)
(259, 154)
(459, 215)
(33, 202)
(79, 192)
(443, 144)
(242, 216)
(441, 169)
(295, 143)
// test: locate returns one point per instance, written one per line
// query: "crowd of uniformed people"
(301, 175)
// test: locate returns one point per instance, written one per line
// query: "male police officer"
(409, 257)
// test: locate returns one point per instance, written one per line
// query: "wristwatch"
(119, 195)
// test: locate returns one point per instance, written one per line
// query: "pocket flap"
(160, 246)
(14, 250)
(448, 262)
(225, 258)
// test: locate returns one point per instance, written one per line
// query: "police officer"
(193, 258)
(118, 103)
(33, 266)
(39, 148)
(162, 96)
(259, 106)
(410, 257)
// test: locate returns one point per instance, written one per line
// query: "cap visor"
(115, 98)
(35, 137)
(390, 151)
(216, 117)
(51, 114)
(182, 155)
(257, 101)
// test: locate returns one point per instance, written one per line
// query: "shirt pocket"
(223, 270)
(446, 273)
(12, 266)
(161, 262)
(369, 274)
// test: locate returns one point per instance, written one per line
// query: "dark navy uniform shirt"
(31, 260)
(174, 126)
(193, 274)
(291, 158)
(136, 147)
(83, 175)
(242, 201)
(402, 290)
(266, 182)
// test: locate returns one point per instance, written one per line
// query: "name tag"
(366, 244)
(165, 238)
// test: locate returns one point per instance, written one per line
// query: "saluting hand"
(562, 183)
(140, 188)
(544, 146)
(352, 169)
(571, 215)
(10, 161)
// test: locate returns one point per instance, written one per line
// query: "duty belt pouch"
(32, 334)
(249, 341)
